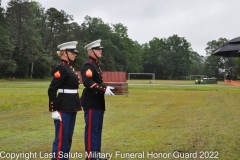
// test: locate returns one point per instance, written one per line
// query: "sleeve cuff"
(52, 105)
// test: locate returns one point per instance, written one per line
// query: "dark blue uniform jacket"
(64, 78)
(93, 93)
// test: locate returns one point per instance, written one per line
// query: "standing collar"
(66, 62)
(93, 59)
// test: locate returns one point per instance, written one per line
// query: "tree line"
(30, 35)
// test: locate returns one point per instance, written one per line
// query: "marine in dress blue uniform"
(92, 100)
(64, 100)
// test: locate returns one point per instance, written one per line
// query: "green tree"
(56, 30)
(178, 50)
(113, 54)
(133, 55)
(153, 55)
(24, 17)
(128, 53)
(8, 68)
(93, 29)
(7, 64)
(235, 72)
(197, 64)
(120, 29)
(6, 46)
(217, 66)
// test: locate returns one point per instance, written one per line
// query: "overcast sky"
(199, 21)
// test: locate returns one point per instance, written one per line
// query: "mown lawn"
(174, 119)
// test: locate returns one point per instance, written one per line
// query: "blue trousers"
(93, 132)
(63, 135)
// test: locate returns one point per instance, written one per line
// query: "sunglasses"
(73, 51)
(97, 48)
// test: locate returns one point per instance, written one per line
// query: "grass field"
(156, 120)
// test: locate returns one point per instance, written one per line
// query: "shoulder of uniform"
(59, 71)
(88, 65)
(61, 67)
(89, 61)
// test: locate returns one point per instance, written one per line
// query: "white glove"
(108, 91)
(56, 116)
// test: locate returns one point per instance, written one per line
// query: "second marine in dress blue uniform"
(92, 100)
(93, 93)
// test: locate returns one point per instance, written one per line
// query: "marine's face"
(98, 52)
(72, 55)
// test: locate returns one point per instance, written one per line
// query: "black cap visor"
(98, 47)
(72, 50)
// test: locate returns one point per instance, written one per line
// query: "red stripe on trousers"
(89, 130)
(59, 139)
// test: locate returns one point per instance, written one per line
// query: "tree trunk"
(31, 75)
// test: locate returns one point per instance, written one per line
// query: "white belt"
(67, 91)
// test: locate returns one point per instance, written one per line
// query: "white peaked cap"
(68, 45)
(94, 44)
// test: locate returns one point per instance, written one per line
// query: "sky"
(198, 21)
